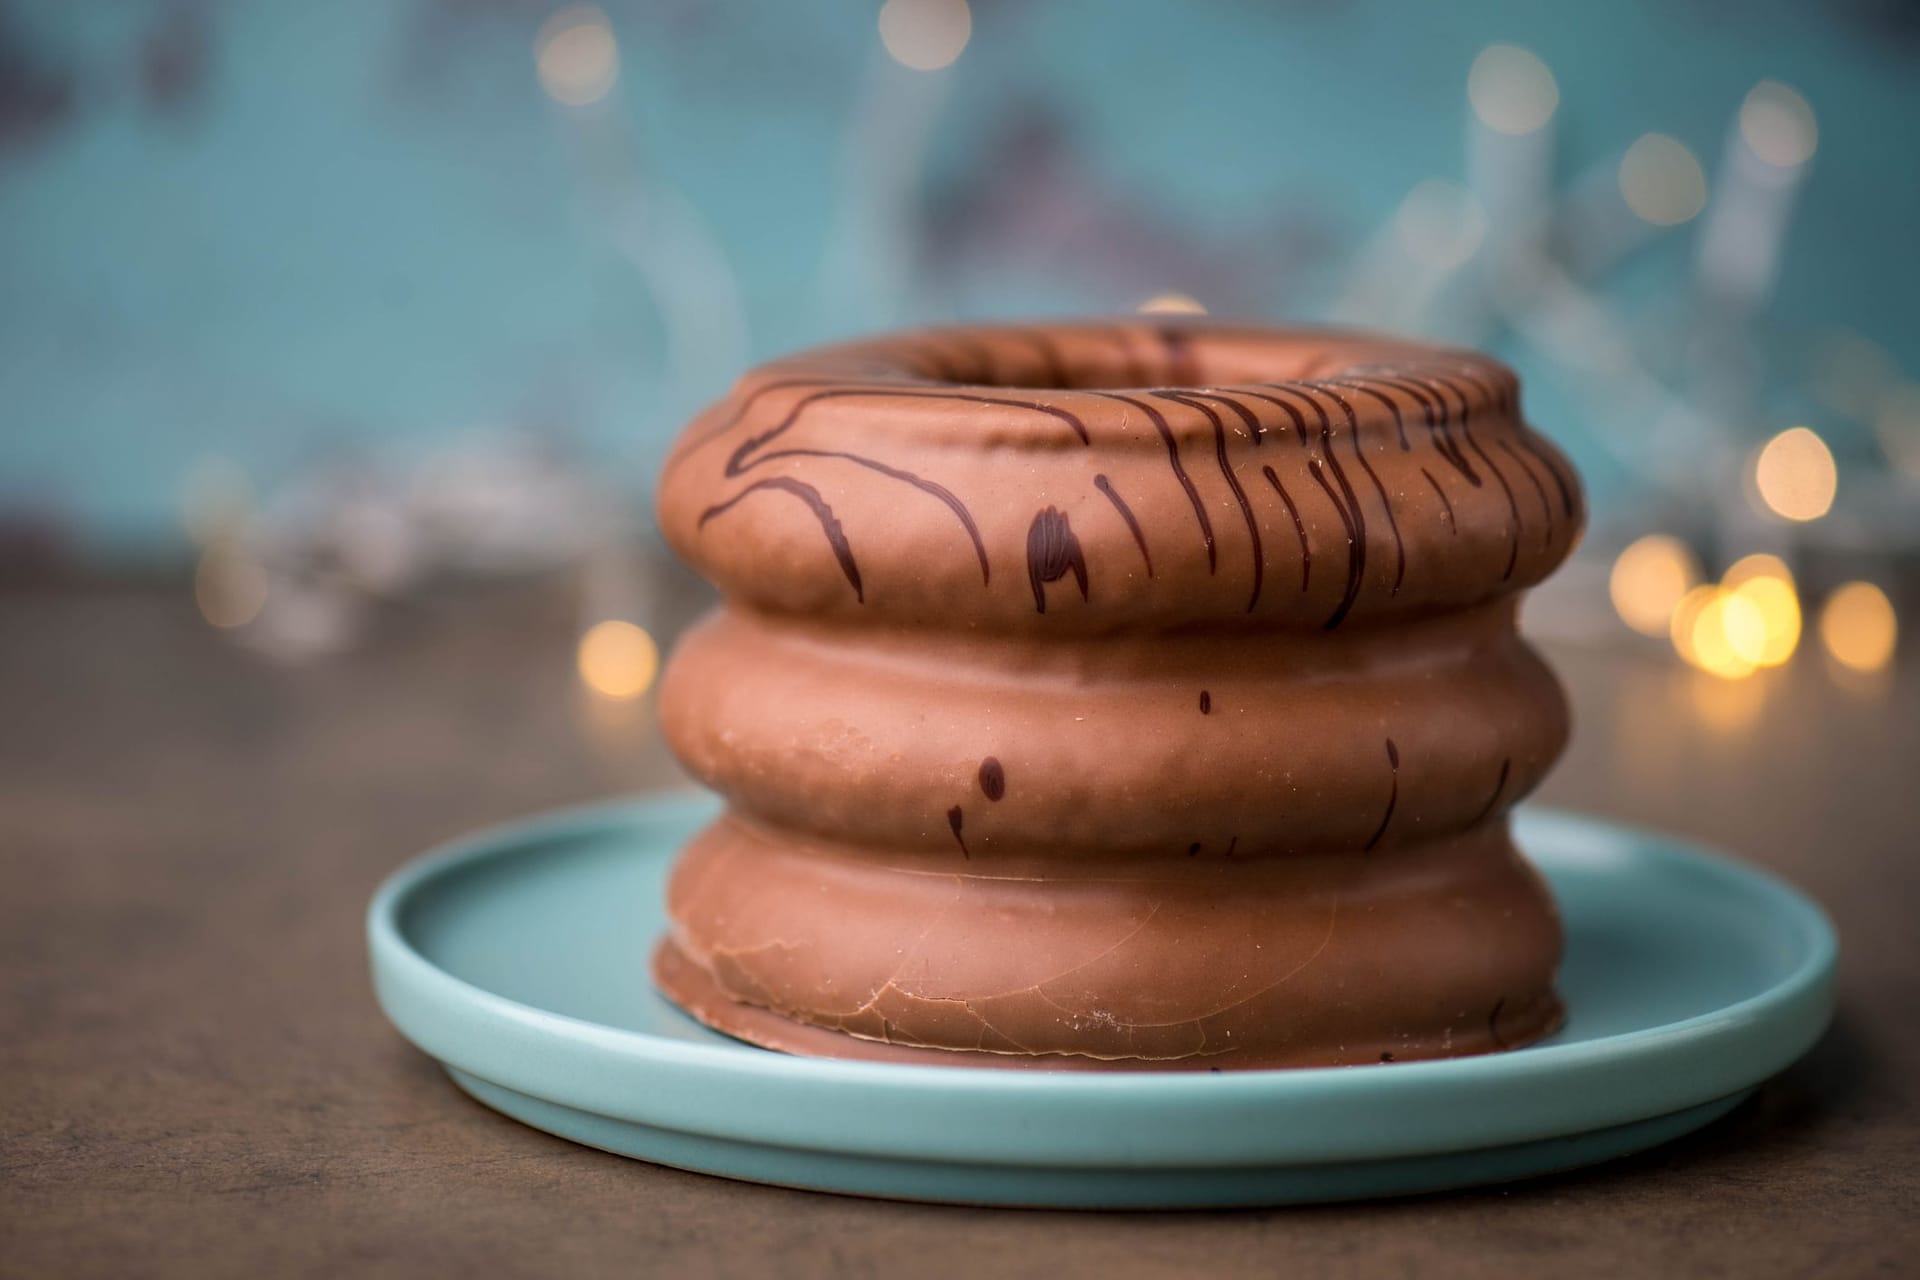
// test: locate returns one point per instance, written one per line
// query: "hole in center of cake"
(1120, 358)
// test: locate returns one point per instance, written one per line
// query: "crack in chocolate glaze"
(1053, 550)
(836, 536)
(1105, 486)
(1393, 796)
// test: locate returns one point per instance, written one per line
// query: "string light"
(1440, 224)
(1511, 90)
(576, 56)
(1171, 304)
(1795, 475)
(1661, 181)
(1649, 579)
(925, 35)
(618, 660)
(1778, 126)
(1858, 627)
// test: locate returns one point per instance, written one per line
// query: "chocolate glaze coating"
(1130, 695)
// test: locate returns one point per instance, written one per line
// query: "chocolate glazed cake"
(1129, 695)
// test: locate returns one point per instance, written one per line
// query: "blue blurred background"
(270, 233)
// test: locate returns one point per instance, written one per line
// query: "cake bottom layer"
(1440, 949)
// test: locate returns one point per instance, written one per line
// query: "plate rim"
(1177, 1119)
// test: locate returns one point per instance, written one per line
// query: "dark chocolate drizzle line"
(1433, 406)
(955, 820)
(928, 487)
(1105, 486)
(1135, 374)
(738, 461)
(741, 410)
(993, 778)
(1255, 428)
(1393, 796)
(836, 536)
(1053, 550)
(1493, 1023)
(979, 352)
(1506, 767)
(1346, 601)
(1446, 505)
(1050, 362)
(1182, 369)
(1499, 476)
(1233, 483)
(1393, 523)
(1503, 391)
(1393, 406)
(1347, 503)
(743, 459)
(1299, 423)
(1546, 508)
(1173, 460)
(1299, 526)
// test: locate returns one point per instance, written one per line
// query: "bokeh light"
(577, 56)
(1649, 579)
(925, 35)
(1766, 583)
(1440, 224)
(1171, 304)
(1661, 181)
(1858, 627)
(1778, 126)
(1511, 90)
(229, 585)
(1795, 475)
(618, 659)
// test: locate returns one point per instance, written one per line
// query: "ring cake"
(1128, 695)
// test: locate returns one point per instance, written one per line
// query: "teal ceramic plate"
(518, 959)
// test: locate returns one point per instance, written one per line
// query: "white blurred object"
(299, 576)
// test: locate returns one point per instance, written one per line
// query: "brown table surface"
(194, 1078)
